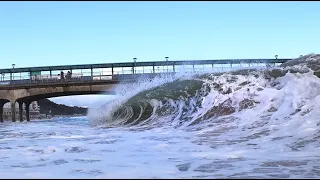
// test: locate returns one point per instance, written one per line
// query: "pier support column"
(13, 111)
(27, 111)
(1, 114)
(21, 111)
(2, 102)
(1, 111)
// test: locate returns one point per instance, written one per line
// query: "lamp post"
(167, 59)
(134, 60)
(13, 65)
(274, 64)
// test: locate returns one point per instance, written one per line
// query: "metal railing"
(116, 74)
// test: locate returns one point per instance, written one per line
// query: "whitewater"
(248, 123)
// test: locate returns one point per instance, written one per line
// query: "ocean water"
(259, 124)
(71, 148)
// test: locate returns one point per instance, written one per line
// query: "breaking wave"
(262, 101)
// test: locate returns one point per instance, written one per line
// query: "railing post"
(112, 71)
(81, 77)
(91, 73)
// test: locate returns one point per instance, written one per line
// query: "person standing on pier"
(62, 75)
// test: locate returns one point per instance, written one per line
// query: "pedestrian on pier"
(68, 76)
(62, 75)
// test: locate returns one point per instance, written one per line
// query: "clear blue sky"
(61, 33)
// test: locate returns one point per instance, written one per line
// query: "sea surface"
(71, 148)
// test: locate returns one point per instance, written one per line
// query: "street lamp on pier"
(167, 59)
(134, 69)
(13, 65)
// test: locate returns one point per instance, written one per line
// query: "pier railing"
(124, 71)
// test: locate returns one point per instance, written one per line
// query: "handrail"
(140, 64)
(117, 75)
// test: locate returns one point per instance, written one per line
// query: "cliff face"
(58, 109)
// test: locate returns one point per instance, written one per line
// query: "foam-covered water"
(245, 124)
(70, 148)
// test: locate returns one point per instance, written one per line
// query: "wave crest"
(194, 100)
